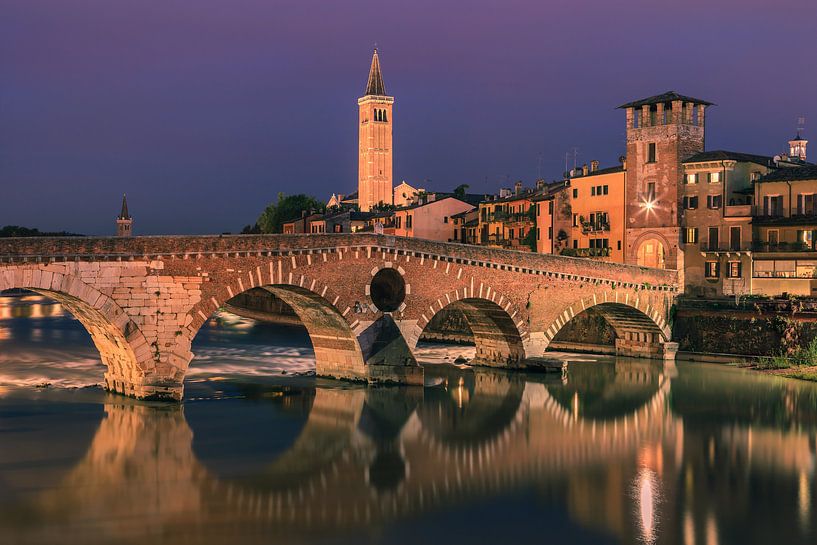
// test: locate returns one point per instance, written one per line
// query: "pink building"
(431, 220)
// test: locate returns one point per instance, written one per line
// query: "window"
(734, 238)
(575, 243)
(618, 245)
(408, 222)
(510, 234)
(604, 189)
(805, 204)
(691, 235)
(398, 222)
(538, 211)
(691, 203)
(592, 191)
(651, 155)
(773, 237)
(713, 202)
(455, 235)
(575, 220)
(734, 270)
(714, 177)
(714, 233)
(755, 175)
(550, 233)
(445, 219)
(550, 208)
(691, 179)
(773, 205)
(575, 193)
(338, 228)
(712, 269)
(650, 196)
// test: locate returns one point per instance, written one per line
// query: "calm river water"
(623, 451)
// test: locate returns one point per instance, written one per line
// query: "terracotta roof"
(599, 172)
(721, 155)
(789, 174)
(669, 96)
(375, 86)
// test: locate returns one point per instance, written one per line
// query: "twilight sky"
(203, 110)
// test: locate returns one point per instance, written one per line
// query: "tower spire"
(124, 214)
(375, 85)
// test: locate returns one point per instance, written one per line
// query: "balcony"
(738, 210)
(707, 246)
(597, 227)
(781, 247)
(585, 252)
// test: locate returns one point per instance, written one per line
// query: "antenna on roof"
(801, 125)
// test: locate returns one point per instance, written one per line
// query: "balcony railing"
(707, 246)
(597, 227)
(738, 210)
(585, 252)
(783, 247)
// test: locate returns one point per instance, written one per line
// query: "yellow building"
(785, 233)
(375, 142)
(597, 206)
(506, 222)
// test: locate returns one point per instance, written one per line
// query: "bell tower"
(662, 131)
(124, 221)
(375, 142)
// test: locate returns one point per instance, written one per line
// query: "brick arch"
(331, 331)
(499, 326)
(633, 250)
(626, 311)
(122, 346)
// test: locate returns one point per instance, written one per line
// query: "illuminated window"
(692, 179)
(691, 235)
(734, 270)
(712, 269)
(714, 177)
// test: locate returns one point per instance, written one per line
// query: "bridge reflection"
(622, 450)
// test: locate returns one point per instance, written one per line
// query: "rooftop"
(722, 155)
(600, 171)
(791, 174)
(375, 85)
(669, 96)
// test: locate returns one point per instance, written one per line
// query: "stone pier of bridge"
(364, 299)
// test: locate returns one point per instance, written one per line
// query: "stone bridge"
(364, 299)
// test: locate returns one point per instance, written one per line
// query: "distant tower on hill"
(124, 222)
(375, 142)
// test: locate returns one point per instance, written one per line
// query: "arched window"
(385, 116)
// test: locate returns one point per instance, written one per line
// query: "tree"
(286, 208)
(460, 190)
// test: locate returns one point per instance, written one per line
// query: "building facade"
(597, 213)
(430, 220)
(375, 108)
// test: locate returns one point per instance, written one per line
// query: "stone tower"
(662, 131)
(124, 222)
(375, 142)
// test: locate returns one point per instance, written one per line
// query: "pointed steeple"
(375, 85)
(124, 214)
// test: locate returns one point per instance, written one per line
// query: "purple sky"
(202, 111)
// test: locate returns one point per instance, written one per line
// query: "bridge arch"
(337, 350)
(498, 326)
(122, 346)
(641, 329)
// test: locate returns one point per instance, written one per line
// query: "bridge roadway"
(364, 299)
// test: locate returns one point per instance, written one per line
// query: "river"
(260, 451)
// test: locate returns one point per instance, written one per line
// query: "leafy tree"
(461, 189)
(17, 231)
(251, 229)
(382, 207)
(286, 208)
(530, 239)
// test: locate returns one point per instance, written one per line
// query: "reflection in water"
(619, 452)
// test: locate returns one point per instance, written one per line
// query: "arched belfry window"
(385, 116)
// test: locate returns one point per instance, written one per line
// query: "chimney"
(303, 213)
(584, 169)
(594, 165)
(540, 185)
(623, 160)
(518, 187)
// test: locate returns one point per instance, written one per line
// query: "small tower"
(375, 142)
(797, 147)
(124, 222)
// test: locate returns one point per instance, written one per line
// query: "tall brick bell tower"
(662, 131)
(375, 142)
